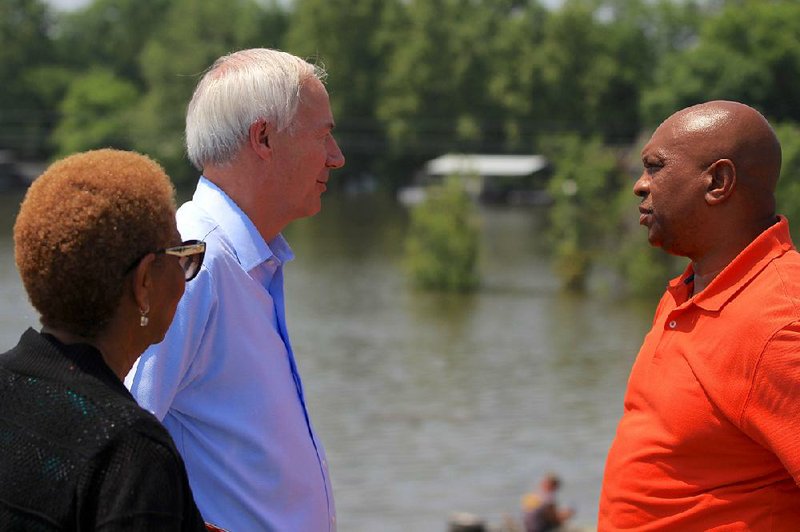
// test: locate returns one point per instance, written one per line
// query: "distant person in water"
(540, 511)
(710, 432)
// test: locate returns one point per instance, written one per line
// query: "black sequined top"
(77, 452)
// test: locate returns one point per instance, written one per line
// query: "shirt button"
(673, 324)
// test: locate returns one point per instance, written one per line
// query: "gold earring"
(143, 319)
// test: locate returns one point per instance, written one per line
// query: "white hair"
(238, 90)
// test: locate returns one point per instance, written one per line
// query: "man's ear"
(258, 136)
(721, 176)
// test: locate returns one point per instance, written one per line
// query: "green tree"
(354, 59)
(25, 45)
(577, 68)
(110, 34)
(674, 25)
(747, 52)
(709, 72)
(434, 96)
(515, 82)
(593, 67)
(585, 183)
(96, 113)
(443, 240)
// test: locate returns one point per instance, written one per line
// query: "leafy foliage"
(125, 26)
(584, 185)
(747, 52)
(434, 95)
(412, 79)
(443, 240)
(355, 61)
(96, 113)
(25, 46)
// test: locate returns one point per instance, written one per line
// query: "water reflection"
(430, 403)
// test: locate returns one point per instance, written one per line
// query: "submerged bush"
(443, 240)
(586, 178)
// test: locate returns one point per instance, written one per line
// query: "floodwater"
(429, 404)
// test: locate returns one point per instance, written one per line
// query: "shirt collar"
(248, 244)
(769, 245)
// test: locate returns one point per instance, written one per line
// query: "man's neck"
(247, 198)
(702, 280)
(727, 248)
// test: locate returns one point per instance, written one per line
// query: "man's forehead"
(700, 119)
(314, 108)
(661, 137)
(687, 126)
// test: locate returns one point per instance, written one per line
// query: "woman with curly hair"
(100, 258)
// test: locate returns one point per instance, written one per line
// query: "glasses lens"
(186, 264)
(191, 266)
(191, 263)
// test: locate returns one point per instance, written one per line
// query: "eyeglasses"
(190, 256)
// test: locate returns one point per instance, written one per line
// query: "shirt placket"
(275, 288)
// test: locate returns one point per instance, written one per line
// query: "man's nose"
(335, 155)
(642, 186)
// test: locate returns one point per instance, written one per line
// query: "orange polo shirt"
(710, 434)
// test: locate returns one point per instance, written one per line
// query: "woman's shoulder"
(142, 481)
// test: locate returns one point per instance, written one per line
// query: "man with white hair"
(224, 381)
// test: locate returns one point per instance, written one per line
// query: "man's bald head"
(710, 173)
(732, 130)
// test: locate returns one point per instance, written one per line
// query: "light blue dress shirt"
(225, 383)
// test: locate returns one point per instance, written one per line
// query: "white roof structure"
(485, 165)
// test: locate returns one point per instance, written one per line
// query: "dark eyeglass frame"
(187, 249)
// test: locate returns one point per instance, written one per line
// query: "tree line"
(583, 83)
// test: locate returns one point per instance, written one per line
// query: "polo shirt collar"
(769, 245)
(248, 244)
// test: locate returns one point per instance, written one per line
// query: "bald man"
(710, 433)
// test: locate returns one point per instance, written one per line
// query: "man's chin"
(666, 247)
(312, 209)
(654, 239)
